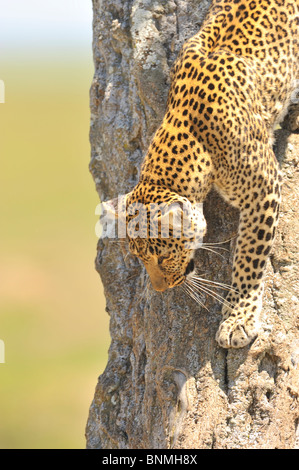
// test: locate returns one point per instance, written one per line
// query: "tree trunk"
(168, 384)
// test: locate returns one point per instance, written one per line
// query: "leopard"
(231, 86)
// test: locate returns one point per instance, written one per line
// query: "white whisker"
(217, 284)
(222, 243)
(217, 247)
(213, 251)
(193, 294)
(213, 294)
(202, 284)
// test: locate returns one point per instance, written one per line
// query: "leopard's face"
(167, 262)
(165, 238)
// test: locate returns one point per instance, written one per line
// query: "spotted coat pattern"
(231, 85)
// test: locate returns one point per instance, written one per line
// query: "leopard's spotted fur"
(231, 85)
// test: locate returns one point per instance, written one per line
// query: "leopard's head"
(163, 230)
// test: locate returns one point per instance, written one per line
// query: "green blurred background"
(52, 309)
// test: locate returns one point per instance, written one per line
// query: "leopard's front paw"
(239, 326)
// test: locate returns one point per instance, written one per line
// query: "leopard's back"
(254, 42)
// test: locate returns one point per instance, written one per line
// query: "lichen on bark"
(167, 383)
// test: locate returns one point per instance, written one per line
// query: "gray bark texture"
(167, 383)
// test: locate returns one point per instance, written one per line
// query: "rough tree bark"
(167, 383)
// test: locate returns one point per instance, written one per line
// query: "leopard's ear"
(175, 214)
(112, 223)
(186, 219)
(172, 216)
